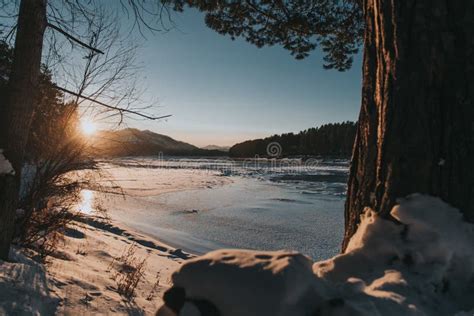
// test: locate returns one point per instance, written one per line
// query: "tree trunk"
(17, 112)
(416, 125)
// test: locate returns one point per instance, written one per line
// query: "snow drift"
(423, 266)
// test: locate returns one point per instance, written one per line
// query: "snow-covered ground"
(424, 266)
(80, 277)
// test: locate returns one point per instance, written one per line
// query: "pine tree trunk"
(17, 112)
(416, 125)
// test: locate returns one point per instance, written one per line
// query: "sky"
(222, 92)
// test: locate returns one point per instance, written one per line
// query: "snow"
(242, 282)
(23, 288)
(80, 277)
(423, 265)
(5, 165)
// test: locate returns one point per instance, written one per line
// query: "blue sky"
(221, 91)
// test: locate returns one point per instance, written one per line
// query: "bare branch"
(74, 38)
(121, 110)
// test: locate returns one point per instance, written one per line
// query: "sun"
(88, 127)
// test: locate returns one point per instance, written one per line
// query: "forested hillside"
(134, 142)
(335, 139)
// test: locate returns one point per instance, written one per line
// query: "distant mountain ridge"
(334, 139)
(216, 147)
(135, 142)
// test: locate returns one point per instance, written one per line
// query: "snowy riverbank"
(201, 204)
(81, 276)
(423, 266)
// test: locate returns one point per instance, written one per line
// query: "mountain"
(134, 142)
(335, 139)
(215, 147)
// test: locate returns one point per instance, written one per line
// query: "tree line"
(334, 139)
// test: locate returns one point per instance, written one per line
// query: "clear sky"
(221, 91)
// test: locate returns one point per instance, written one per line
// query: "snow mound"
(5, 165)
(423, 265)
(240, 282)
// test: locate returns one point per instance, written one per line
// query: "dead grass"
(129, 271)
(154, 288)
(82, 249)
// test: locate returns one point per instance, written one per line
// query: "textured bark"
(16, 113)
(416, 125)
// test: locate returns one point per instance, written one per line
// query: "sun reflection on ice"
(86, 205)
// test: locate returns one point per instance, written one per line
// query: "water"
(203, 204)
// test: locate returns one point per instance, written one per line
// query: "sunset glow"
(88, 127)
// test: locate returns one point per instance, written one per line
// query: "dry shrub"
(154, 288)
(130, 271)
(44, 230)
(48, 208)
(48, 193)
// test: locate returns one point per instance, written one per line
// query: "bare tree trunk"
(416, 125)
(17, 113)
